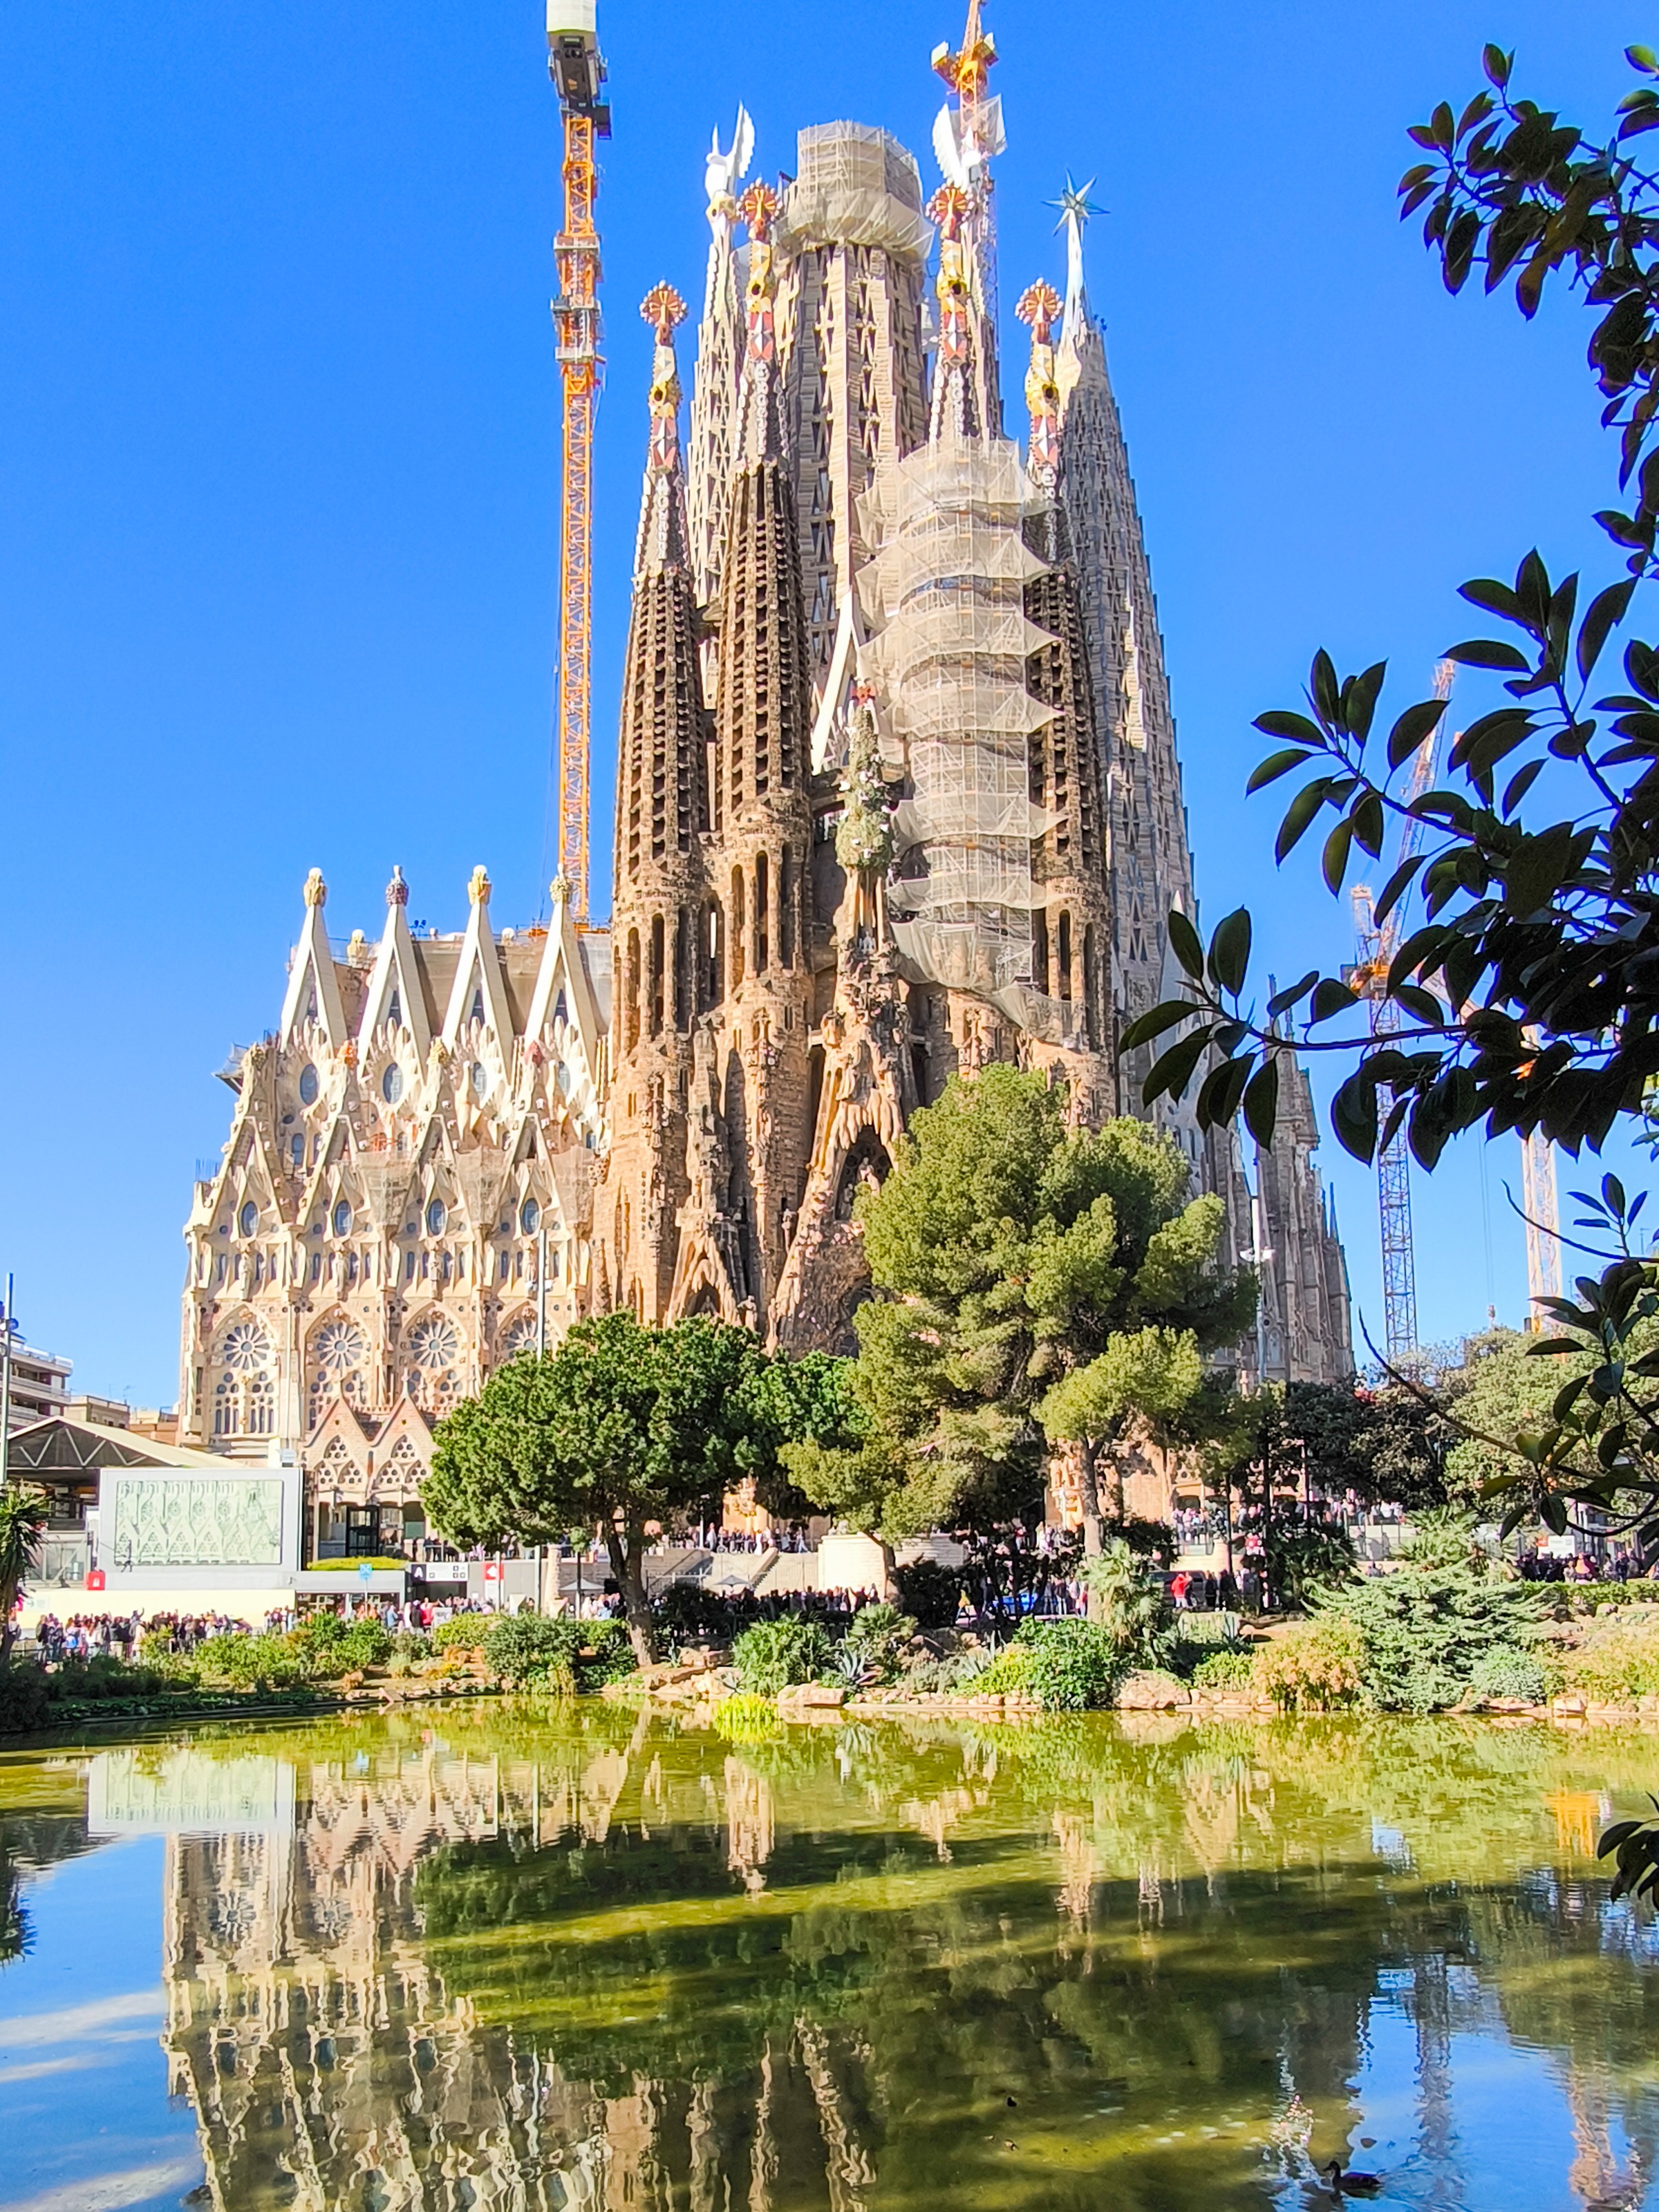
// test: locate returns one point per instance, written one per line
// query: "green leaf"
(1323, 685)
(1261, 1100)
(1173, 1071)
(1359, 699)
(1605, 610)
(1185, 943)
(1367, 819)
(1298, 814)
(1642, 668)
(1279, 722)
(1282, 1001)
(1331, 998)
(1486, 652)
(1497, 64)
(1422, 1006)
(1272, 769)
(1354, 1116)
(1154, 1021)
(1520, 784)
(1334, 861)
(1230, 951)
(1642, 57)
(1414, 724)
(1398, 884)
(1222, 1089)
(1497, 598)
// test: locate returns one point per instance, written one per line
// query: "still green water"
(542, 1957)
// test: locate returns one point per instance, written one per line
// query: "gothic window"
(433, 1343)
(477, 1012)
(297, 1152)
(308, 1086)
(246, 1348)
(519, 1336)
(226, 1397)
(261, 1406)
(337, 1352)
(394, 1012)
(342, 1217)
(392, 1083)
(436, 1214)
(248, 1219)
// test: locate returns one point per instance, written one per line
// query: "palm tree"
(22, 1521)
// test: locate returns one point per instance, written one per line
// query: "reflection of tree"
(50, 1828)
(678, 1972)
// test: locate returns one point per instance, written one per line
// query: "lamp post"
(5, 1388)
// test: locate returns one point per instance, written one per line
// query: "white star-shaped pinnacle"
(1074, 204)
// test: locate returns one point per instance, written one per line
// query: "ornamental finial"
(316, 889)
(1038, 305)
(757, 208)
(397, 892)
(664, 309)
(477, 886)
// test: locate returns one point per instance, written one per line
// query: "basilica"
(897, 796)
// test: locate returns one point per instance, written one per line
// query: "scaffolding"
(945, 601)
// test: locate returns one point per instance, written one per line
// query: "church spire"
(965, 140)
(956, 407)
(720, 346)
(662, 539)
(760, 412)
(1039, 305)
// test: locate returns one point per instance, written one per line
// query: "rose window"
(520, 1337)
(338, 1346)
(434, 1344)
(246, 1349)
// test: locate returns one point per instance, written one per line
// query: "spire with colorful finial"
(662, 542)
(760, 426)
(1039, 305)
(1075, 209)
(954, 407)
(965, 139)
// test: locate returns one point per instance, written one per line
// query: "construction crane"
(576, 68)
(1369, 976)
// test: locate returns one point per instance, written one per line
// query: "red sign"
(95, 1578)
(492, 1571)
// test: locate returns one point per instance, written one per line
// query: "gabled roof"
(58, 1446)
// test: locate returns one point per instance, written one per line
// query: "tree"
(1011, 1254)
(1388, 1446)
(22, 1523)
(620, 1424)
(1529, 998)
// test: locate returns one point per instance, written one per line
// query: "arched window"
(761, 888)
(654, 975)
(631, 992)
(1040, 952)
(787, 909)
(1091, 989)
(1065, 950)
(737, 927)
(227, 1400)
(261, 1407)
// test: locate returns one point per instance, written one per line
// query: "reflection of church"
(898, 797)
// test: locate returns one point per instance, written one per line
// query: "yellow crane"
(576, 68)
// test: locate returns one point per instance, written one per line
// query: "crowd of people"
(137, 1635)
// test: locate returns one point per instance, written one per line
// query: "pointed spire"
(1075, 209)
(965, 140)
(394, 996)
(955, 411)
(314, 988)
(1039, 305)
(479, 993)
(719, 356)
(760, 408)
(662, 537)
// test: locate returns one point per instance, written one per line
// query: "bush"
(1133, 1606)
(1504, 1671)
(929, 1592)
(1227, 1669)
(24, 1701)
(411, 1644)
(527, 1647)
(249, 1662)
(686, 1613)
(330, 1646)
(775, 1655)
(1618, 1661)
(1315, 1666)
(465, 1632)
(1424, 1629)
(876, 1637)
(607, 1654)
(1078, 1663)
(1010, 1673)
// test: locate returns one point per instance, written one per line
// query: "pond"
(536, 1956)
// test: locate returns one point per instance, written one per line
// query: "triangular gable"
(354, 1433)
(395, 997)
(314, 988)
(479, 993)
(562, 979)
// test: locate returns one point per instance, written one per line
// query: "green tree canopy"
(1014, 1256)
(622, 1425)
(22, 1522)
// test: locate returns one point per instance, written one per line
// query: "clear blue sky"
(278, 426)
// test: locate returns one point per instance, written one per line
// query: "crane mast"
(577, 69)
(1370, 978)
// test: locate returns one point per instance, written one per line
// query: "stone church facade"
(897, 796)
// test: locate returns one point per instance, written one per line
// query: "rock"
(1147, 1690)
(1570, 1707)
(812, 1696)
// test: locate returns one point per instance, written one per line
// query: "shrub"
(877, 1635)
(1504, 1671)
(411, 1644)
(249, 1662)
(1010, 1673)
(1133, 1606)
(1078, 1663)
(685, 1614)
(24, 1702)
(1423, 1629)
(1620, 1660)
(775, 1655)
(748, 1719)
(465, 1632)
(528, 1646)
(1227, 1669)
(330, 1646)
(930, 1594)
(104, 1677)
(1315, 1666)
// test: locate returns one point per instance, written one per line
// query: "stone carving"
(196, 1521)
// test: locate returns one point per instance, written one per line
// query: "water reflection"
(538, 1959)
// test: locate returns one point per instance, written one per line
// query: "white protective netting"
(944, 599)
(855, 186)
